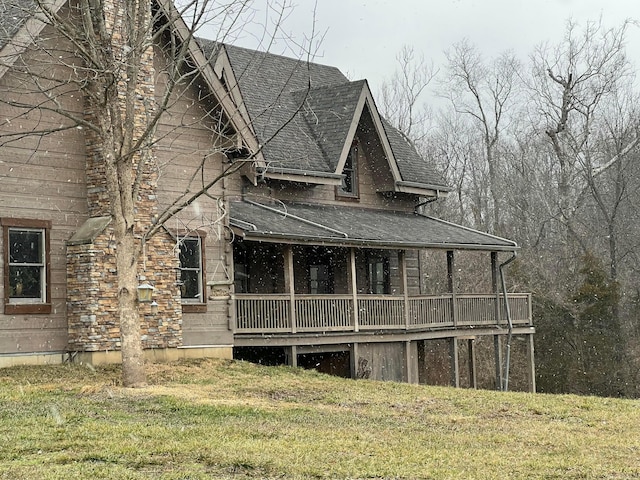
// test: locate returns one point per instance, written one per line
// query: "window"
(349, 187)
(192, 274)
(240, 267)
(26, 266)
(378, 274)
(319, 280)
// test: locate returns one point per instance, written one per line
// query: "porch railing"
(332, 313)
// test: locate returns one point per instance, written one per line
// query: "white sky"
(363, 37)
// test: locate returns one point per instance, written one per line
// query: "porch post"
(451, 280)
(290, 285)
(354, 288)
(473, 374)
(292, 361)
(402, 257)
(455, 364)
(495, 285)
(497, 344)
(532, 364)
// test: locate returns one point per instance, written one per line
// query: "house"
(313, 253)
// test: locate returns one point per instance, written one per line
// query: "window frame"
(192, 305)
(373, 261)
(31, 306)
(350, 170)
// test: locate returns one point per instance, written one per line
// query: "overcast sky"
(363, 37)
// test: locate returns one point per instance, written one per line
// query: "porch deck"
(278, 313)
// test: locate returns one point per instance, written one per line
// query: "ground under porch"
(473, 358)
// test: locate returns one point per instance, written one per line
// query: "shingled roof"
(319, 103)
(355, 226)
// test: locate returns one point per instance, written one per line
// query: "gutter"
(507, 358)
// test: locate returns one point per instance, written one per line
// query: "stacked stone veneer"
(92, 294)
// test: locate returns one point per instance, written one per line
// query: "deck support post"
(497, 346)
(292, 356)
(531, 362)
(455, 364)
(497, 343)
(411, 374)
(473, 372)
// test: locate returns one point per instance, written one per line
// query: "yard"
(221, 419)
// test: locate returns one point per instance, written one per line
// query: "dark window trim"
(354, 194)
(189, 306)
(26, 308)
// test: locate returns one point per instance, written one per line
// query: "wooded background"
(544, 151)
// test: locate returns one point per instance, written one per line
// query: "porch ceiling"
(353, 226)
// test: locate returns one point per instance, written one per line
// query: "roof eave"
(300, 176)
(422, 189)
(277, 237)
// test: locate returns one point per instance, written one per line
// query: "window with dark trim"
(192, 274)
(378, 274)
(349, 187)
(26, 253)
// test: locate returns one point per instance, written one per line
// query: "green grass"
(217, 419)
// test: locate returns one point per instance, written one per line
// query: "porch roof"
(355, 226)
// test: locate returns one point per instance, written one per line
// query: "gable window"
(349, 187)
(192, 274)
(26, 266)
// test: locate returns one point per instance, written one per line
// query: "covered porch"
(299, 283)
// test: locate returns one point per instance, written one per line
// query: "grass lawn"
(234, 420)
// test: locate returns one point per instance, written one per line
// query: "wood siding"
(41, 178)
(188, 157)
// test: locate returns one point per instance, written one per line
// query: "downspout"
(507, 358)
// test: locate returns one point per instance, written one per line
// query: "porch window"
(319, 280)
(378, 274)
(191, 272)
(349, 187)
(26, 259)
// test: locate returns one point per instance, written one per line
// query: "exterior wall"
(43, 178)
(188, 157)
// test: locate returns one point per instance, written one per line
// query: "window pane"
(190, 253)
(25, 282)
(25, 246)
(190, 284)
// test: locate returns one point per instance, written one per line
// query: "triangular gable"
(367, 99)
(205, 68)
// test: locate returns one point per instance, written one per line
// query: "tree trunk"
(133, 373)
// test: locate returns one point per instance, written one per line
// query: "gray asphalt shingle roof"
(345, 225)
(321, 103)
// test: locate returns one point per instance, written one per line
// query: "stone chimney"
(91, 268)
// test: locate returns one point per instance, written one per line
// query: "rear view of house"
(317, 251)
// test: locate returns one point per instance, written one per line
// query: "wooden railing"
(333, 313)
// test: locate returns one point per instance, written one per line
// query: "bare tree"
(569, 83)
(95, 72)
(484, 91)
(402, 98)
